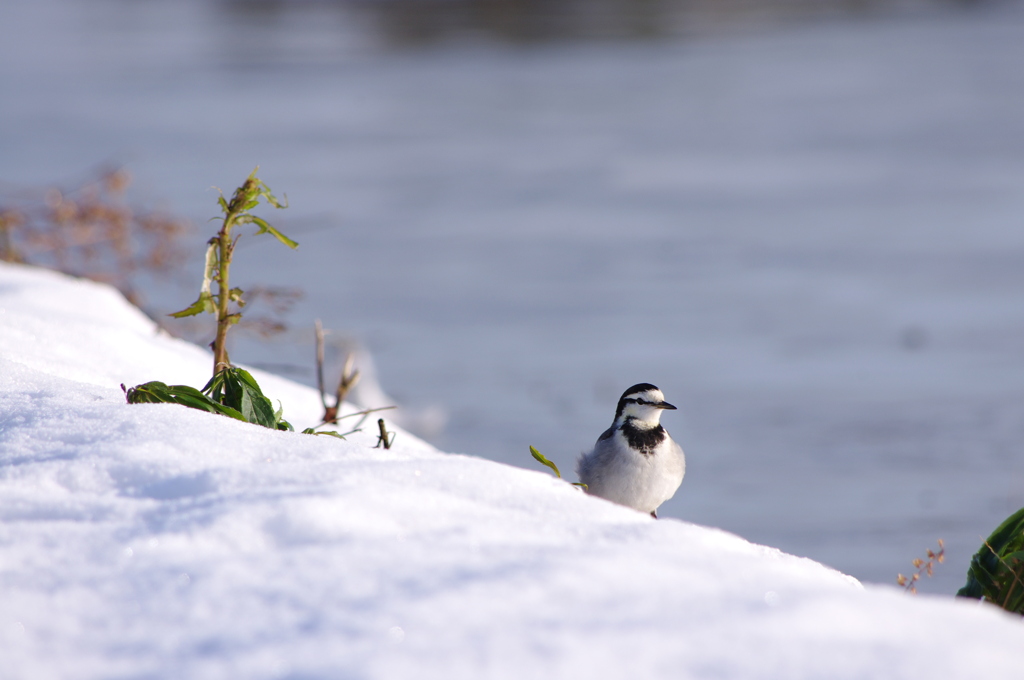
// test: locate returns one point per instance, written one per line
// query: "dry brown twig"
(385, 439)
(349, 377)
(923, 567)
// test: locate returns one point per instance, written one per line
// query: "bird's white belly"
(642, 482)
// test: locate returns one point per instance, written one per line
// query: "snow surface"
(155, 541)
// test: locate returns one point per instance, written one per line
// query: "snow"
(155, 541)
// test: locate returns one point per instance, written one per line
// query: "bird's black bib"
(644, 441)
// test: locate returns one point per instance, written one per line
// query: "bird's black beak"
(665, 405)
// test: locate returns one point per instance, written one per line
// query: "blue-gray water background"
(809, 231)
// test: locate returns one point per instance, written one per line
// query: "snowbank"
(156, 541)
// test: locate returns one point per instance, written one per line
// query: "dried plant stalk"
(93, 232)
(349, 377)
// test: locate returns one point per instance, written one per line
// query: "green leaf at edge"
(544, 461)
(203, 304)
(982, 575)
(266, 228)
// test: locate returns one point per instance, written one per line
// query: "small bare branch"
(349, 379)
(319, 331)
(358, 413)
(385, 438)
(923, 567)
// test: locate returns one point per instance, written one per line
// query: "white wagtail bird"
(635, 462)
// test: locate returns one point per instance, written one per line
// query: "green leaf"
(156, 392)
(236, 388)
(262, 410)
(544, 461)
(329, 433)
(280, 205)
(282, 424)
(1014, 558)
(997, 569)
(266, 228)
(203, 304)
(193, 398)
(153, 392)
(245, 376)
(214, 387)
(233, 393)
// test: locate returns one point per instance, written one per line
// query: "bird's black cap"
(637, 389)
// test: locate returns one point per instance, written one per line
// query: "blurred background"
(802, 219)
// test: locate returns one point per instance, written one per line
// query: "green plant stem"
(220, 351)
(225, 246)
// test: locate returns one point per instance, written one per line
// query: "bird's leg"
(654, 514)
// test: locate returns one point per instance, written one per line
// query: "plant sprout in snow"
(219, 252)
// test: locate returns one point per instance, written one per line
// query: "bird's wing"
(591, 467)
